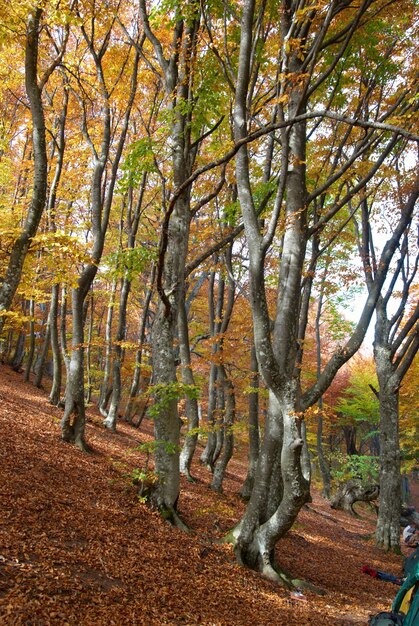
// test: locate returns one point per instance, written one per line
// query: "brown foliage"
(77, 547)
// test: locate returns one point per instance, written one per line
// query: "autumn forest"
(208, 230)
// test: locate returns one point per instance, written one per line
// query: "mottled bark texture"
(253, 421)
(177, 75)
(192, 407)
(281, 486)
(351, 492)
(396, 342)
(102, 192)
(11, 278)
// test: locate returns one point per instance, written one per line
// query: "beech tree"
(257, 135)
(281, 486)
(97, 38)
(396, 342)
(34, 87)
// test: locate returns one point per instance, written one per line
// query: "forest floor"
(77, 547)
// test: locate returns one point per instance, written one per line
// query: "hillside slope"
(77, 546)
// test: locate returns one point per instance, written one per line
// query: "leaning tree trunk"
(101, 203)
(351, 492)
(20, 247)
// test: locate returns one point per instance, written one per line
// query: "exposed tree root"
(171, 516)
(188, 476)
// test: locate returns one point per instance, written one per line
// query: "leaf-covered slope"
(78, 548)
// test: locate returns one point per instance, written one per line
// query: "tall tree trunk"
(228, 439)
(135, 384)
(43, 356)
(104, 395)
(31, 353)
(192, 408)
(166, 420)
(19, 352)
(74, 418)
(219, 417)
(208, 452)
(177, 74)
(254, 436)
(54, 396)
(133, 221)
(63, 330)
(20, 248)
(89, 383)
(388, 523)
(214, 314)
(110, 421)
(323, 465)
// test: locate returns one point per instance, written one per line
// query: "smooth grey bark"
(228, 439)
(396, 342)
(388, 523)
(261, 527)
(104, 395)
(102, 192)
(354, 491)
(63, 329)
(55, 392)
(42, 360)
(192, 408)
(133, 221)
(215, 312)
(88, 393)
(135, 384)
(112, 415)
(393, 356)
(72, 431)
(219, 319)
(11, 278)
(323, 464)
(208, 452)
(225, 389)
(19, 352)
(219, 417)
(31, 353)
(54, 396)
(178, 84)
(256, 536)
(253, 428)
